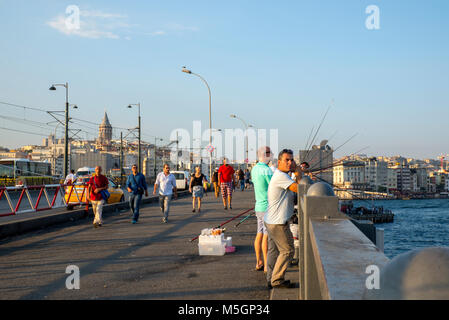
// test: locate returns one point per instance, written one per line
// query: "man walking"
(167, 187)
(97, 184)
(241, 176)
(280, 209)
(215, 182)
(136, 185)
(71, 178)
(227, 180)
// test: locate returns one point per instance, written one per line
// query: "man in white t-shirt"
(166, 182)
(71, 178)
(281, 193)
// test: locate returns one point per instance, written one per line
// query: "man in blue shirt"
(136, 187)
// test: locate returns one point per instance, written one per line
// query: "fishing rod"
(314, 137)
(352, 194)
(308, 138)
(336, 163)
(325, 158)
(233, 218)
(244, 219)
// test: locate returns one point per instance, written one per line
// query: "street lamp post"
(246, 135)
(210, 116)
(154, 163)
(139, 127)
(66, 139)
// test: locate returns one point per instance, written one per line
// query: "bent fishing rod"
(233, 218)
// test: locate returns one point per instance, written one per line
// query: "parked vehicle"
(79, 193)
(182, 179)
(85, 171)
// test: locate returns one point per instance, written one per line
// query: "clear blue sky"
(275, 64)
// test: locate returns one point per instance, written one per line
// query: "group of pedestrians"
(274, 192)
(136, 185)
(244, 179)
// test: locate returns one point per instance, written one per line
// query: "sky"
(277, 65)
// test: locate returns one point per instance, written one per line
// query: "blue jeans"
(242, 185)
(164, 202)
(134, 204)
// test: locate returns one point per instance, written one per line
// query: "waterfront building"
(350, 175)
(392, 179)
(376, 173)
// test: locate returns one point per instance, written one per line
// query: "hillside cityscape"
(396, 175)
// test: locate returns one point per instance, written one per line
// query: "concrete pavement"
(149, 260)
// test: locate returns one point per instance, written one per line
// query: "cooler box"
(209, 245)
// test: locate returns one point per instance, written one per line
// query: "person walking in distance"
(280, 209)
(71, 178)
(227, 180)
(247, 179)
(97, 184)
(167, 188)
(215, 182)
(261, 176)
(136, 185)
(196, 187)
(241, 176)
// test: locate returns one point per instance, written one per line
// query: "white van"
(85, 171)
(182, 179)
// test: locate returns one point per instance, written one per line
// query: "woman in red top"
(227, 180)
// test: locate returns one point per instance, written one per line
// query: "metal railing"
(70, 195)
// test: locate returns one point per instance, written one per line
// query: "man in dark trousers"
(136, 187)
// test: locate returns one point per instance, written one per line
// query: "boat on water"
(375, 214)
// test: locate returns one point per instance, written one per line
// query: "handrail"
(59, 189)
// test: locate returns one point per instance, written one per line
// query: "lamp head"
(233, 116)
(52, 88)
(184, 69)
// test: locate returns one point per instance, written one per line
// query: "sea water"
(417, 224)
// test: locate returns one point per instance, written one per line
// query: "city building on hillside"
(392, 179)
(13, 154)
(403, 174)
(350, 175)
(376, 174)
